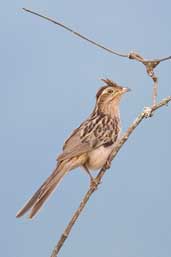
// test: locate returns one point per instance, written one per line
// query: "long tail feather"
(44, 191)
(41, 201)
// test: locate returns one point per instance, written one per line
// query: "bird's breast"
(98, 157)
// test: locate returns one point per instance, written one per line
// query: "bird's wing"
(74, 146)
(73, 140)
(91, 134)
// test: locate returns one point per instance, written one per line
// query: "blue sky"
(48, 84)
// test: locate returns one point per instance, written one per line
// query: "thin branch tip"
(25, 9)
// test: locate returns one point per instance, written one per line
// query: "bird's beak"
(125, 90)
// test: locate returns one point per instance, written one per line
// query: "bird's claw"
(108, 164)
(94, 183)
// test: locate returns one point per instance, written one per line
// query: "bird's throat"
(111, 108)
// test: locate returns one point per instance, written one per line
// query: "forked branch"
(145, 114)
(150, 65)
(131, 55)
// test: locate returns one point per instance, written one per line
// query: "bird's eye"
(110, 91)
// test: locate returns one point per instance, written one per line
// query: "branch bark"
(147, 112)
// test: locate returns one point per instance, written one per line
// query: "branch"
(145, 114)
(150, 65)
(131, 55)
(76, 33)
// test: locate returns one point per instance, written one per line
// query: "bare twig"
(131, 55)
(150, 65)
(146, 113)
(76, 33)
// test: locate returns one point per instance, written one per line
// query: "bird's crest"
(109, 83)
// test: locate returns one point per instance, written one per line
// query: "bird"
(88, 146)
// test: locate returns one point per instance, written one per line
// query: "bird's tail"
(38, 199)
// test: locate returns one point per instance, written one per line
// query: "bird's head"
(108, 97)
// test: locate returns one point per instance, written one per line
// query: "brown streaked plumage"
(88, 146)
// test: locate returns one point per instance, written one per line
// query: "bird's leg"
(93, 182)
